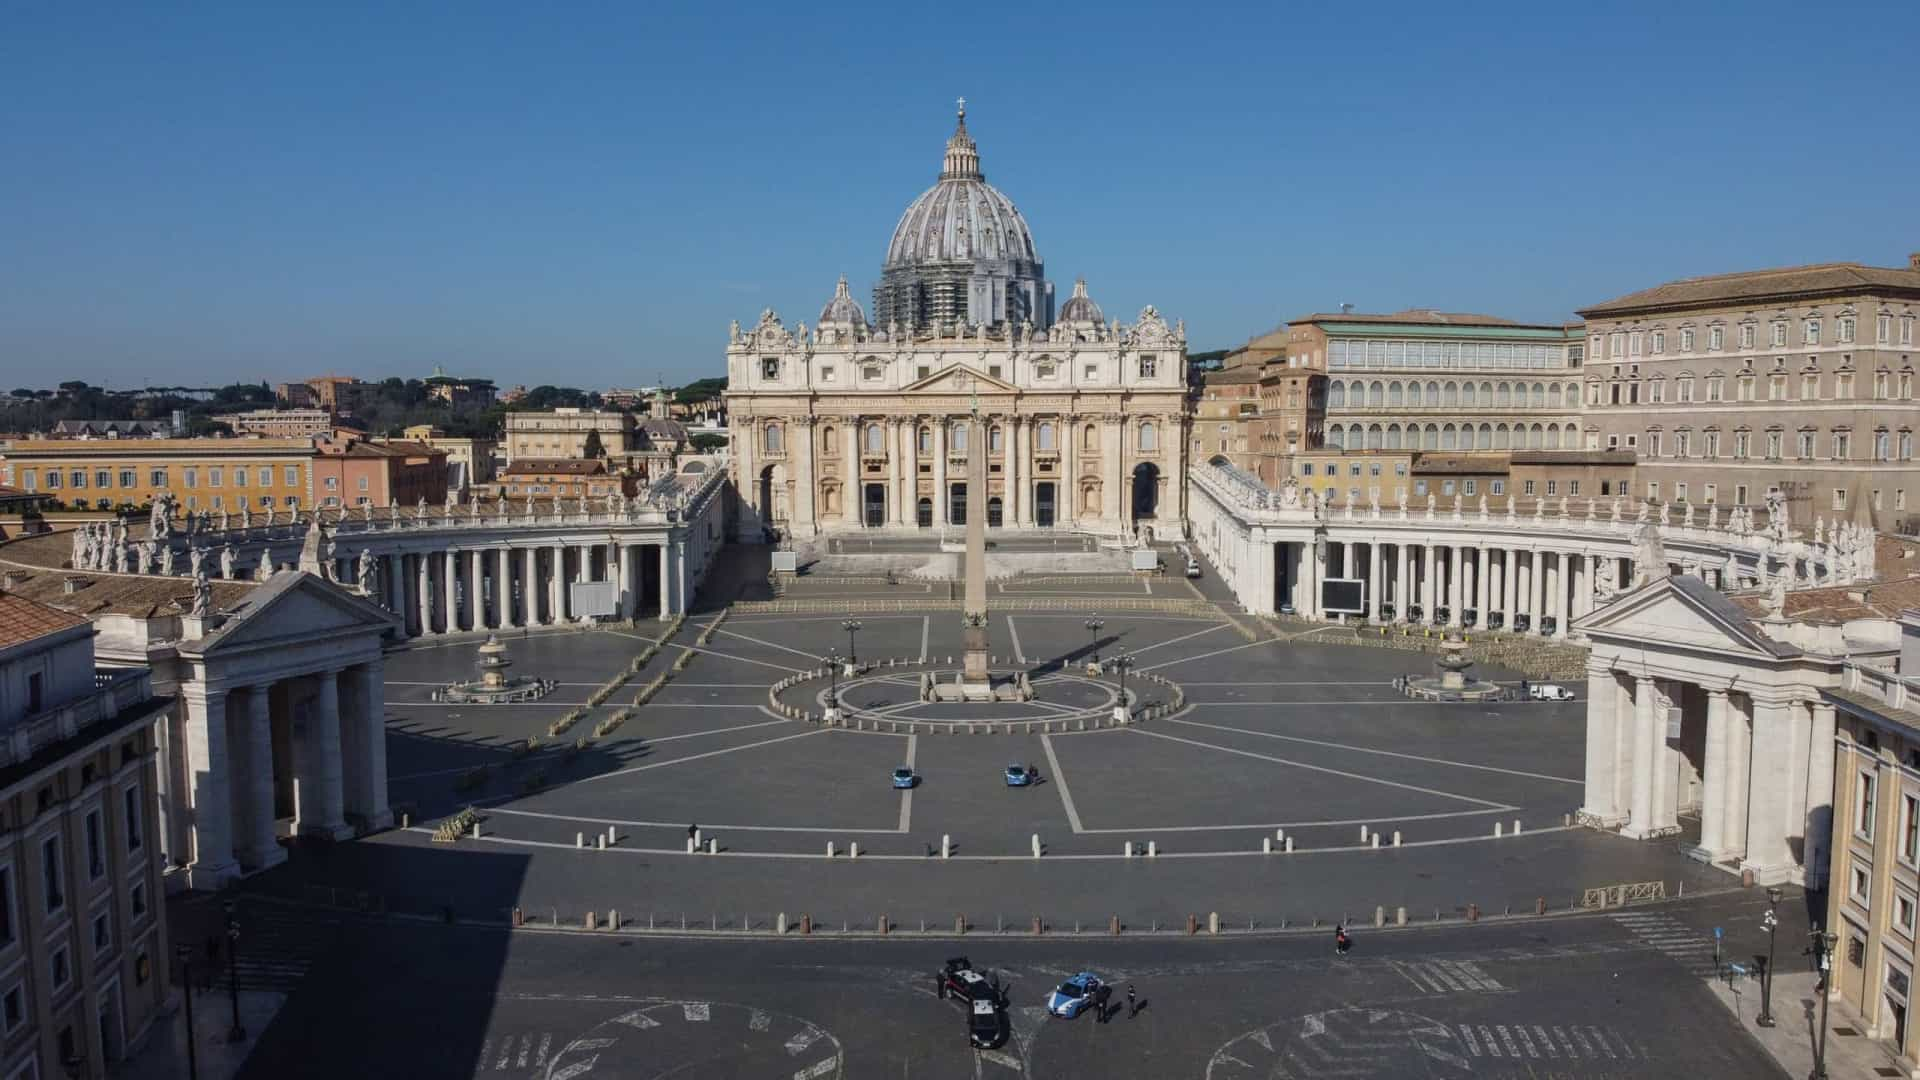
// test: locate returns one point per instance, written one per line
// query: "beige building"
(280, 423)
(83, 943)
(469, 460)
(563, 433)
(1797, 380)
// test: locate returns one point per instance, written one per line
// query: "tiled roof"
(1897, 590)
(1761, 285)
(557, 467)
(1412, 317)
(22, 619)
(121, 594)
(1248, 374)
(1574, 457)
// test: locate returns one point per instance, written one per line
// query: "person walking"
(1101, 1012)
(1341, 942)
(1133, 1003)
(693, 832)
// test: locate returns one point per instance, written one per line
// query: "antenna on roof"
(1346, 309)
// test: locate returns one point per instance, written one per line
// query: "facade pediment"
(293, 607)
(1684, 612)
(959, 379)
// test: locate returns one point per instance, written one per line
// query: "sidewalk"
(164, 1057)
(1796, 1008)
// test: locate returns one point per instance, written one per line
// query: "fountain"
(1452, 683)
(495, 686)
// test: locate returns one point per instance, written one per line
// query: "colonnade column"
(1481, 582)
(503, 587)
(449, 605)
(393, 584)
(1376, 579)
(1431, 560)
(1739, 754)
(368, 789)
(583, 573)
(1538, 587)
(476, 605)
(1770, 817)
(529, 586)
(1645, 730)
(1400, 582)
(320, 809)
(1820, 796)
(1455, 590)
(557, 586)
(1508, 574)
(1713, 782)
(1603, 739)
(260, 848)
(209, 787)
(423, 562)
(666, 577)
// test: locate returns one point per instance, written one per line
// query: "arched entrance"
(957, 504)
(1146, 489)
(994, 517)
(1043, 511)
(874, 505)
(923, 513)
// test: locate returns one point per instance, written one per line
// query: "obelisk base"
(973, 670)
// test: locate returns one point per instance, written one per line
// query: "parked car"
(1072, 997)
(1415, 613)
(1386, 612)
(1193, 566)
(905, 777)
(985, 1004)
(1549, 624)
(1544, 691)
(1021, 775)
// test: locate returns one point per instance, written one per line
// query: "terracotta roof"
(1574, 457)
(1897, 590)
(1413, 316)
(121, 594)
(1493, 463)
(557, 467)
(1762, 285)
(1248, 374)
(22, 619)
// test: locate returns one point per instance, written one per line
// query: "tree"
(593, 449)
(706, 441)
(700, 390)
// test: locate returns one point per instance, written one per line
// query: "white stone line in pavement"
(1013, 634)
(1059, 778)
(1178, 640)
(635, 637)
(721, 685)
(926, 627)
(1120, 616)
(696, 757)
(1375, 819)
(1216, 652)
(723, 632)
(742, 659)
(424, 830)
(1365, 682)
(591, 819)
(777, 618)
(402, 682)
(660, 739)
(1406, 702)
(405, 704)
(1383, 753)
(1324, 769)
(906, 797)
(655, 703)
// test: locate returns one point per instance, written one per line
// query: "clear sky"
(585, 194)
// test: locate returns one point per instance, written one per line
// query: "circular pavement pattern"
(700, 1038)
(895, 696)
(1356, 1042)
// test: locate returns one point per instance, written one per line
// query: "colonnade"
(311, 745)
(509, 585)
(1470, 583)
(1755, 766)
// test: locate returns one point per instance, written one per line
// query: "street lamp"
(1768, 922)
(185, 953)
(1121, 663)
(833, 687)
(1093, 633)
(852, 627)
(237, 1034)
(1823, 944)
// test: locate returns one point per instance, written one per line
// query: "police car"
(1072, 997)
(986, 1008)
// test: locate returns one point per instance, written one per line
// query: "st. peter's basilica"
(850, 424)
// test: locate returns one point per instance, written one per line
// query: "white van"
(1193, 566)
(1549, 692)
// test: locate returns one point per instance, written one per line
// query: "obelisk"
(974, 675)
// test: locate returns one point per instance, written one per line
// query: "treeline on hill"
(393, 405)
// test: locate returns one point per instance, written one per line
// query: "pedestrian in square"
(1100, 998)
(1133, 1004)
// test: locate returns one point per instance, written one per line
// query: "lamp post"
(833, 686)
(1768, 922)
(236, 1033)
(185, 953)
(1121, 663)
(852, 627)
(1823, 944)
(1093, 636)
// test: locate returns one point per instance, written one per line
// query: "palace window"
(1776, 388)
(925, 441)
(1845, 329)
(1686, 339)
(1715, 391)
(1149, 366)
(1843, 384)
(1773, 445)
(773, 442)
(1883, 329)
(876, 439)
(1810, 386)
(1806, 444)
(1716, 338)
(1842, 445)
(993, 440)
(957, 439)
(1710, 444)
(1149, 436)
(1810, 332)
(1043, 437)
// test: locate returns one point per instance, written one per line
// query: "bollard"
(1129, 849)
(1396, 838)
(1266, 845)
(884, 925)
(1379, 917)
(1213, 923)
(1113, 925)
(959, 924)
(806, 923)
(406, 821)
(519, 917)
(579, 839)
(1566, 820)
(829, 849)
(1036, 845)
(600, 842)
(1374, 840)
(1193, 924)
(1363, 834)
(476, 830)
(1496, 830)
(1539, 905)
(612, 837)
(780, 923)
(713, 845)
(946, 846)
(1289, 845)
(1038, 926)
(1516, 826)
(697, 841)
(1400, 915)
(853, 849)
(613, 919)
(1279, 836)
(1153, 849)
(593, 921)
(689, 845)
(1473, 912)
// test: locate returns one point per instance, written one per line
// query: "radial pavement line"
(926, 625)
(697, 757)
(590, 819)
(1382, 753)
(1176, 641)
(1059, 779)
(768, 644)
(1217, 652)
(741, 659)
(906, 797)
(1323, 769)
(1013, 633)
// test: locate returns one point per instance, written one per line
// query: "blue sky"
(585, 194)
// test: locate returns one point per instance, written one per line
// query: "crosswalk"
(1688, 947)
(277, 945)
(1449, 977)
(1551, 1042)
(521, 1052)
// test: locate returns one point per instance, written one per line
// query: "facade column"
(210, 795)
(557, 586)
(503, 587)
(320, 809)
(261, 847)
(423, 563)
(1820, 796)
(854, 488)
(910, 482)
(1769, 809)
(1455, 587)
(1114, 504)
(1646, 744)
(939, 476)
(666, 579)
(1713, 785)
(1603, 735)
(896, 453)
(1739, 762)
(1066, 496)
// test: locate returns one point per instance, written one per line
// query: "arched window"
(993, 440)
(827, 441)
(1413, 395)
(1573, 395)
(926, 440)
(1395, 395)
(1486, 394)
(957, 440)
(774, 443)
(1090, 439)
(1336, 437)
(1450, 394)
(1535, 435)
(1484, 441)
(1374, 437)
(1449, 438)
(1503, 395)
(1553, 395)
(1149, 436)
(1377, 394)
(876, 439)
(1393, 437)
(1466, 394)
(1337, 395)
(1433, 393)
(1043, 437)
(1431, 437)
(1539, 396)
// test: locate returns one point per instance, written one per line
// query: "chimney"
(13, 580)
(1913, 261)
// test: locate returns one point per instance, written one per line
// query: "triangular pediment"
(1684, 613)
(959, 379)
(293, 606)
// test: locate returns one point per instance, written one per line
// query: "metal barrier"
(1608, 896)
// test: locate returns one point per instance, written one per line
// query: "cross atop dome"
(963, 158)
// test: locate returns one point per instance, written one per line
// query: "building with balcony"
(565, 433)
(280, 423)
(574, 478)
(351, 471)
(83, 941)
(1797, 380)
(202, 474)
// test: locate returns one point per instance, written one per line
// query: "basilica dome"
(962, 254)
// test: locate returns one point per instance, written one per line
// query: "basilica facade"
(848, 425)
